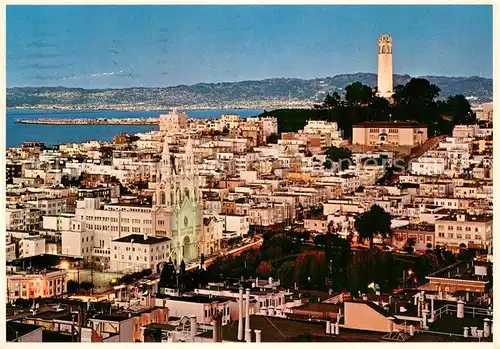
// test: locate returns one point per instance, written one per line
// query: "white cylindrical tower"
(384, 71)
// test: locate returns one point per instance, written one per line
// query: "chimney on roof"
(240, 315)
(460, 309)
(248, 336)
(258, 336)
(247, 314)
(194, 327)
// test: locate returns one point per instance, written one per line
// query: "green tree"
(448, 258)
(337, 258)
(167, 276)
(459, 108)
(72, 286)
(342, 156)
(332, 101)
(416, 92)
(264, 269)
(87, 285)
(106, 152)
(286, 274)
(373, 222)
(379, 109)
(182, 276)
(65, 181)
(272, 139)
(359, 94)
(409, 245)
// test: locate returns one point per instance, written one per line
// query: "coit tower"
(384, 73)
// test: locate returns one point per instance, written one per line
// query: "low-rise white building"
(50, 206)
(235, 226)
(22, 218)
(31, 246)
(10, 249)
(428, 166)
(57, 222)
(137, 252)
(475, 231)
(203, 307)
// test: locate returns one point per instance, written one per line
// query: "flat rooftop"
(140, 239)
(193, 299)
(393, 124)
(464, 271)
(16, 329)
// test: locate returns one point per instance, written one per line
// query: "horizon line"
(247, 80)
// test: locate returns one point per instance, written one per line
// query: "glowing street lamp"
(63, 265)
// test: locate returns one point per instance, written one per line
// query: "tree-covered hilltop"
(417, 100)
(230, 93)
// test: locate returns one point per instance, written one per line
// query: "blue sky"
(125, 46)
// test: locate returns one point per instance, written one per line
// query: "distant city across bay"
(58, 134)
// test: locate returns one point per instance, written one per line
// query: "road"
(234, 252)
(429, 144)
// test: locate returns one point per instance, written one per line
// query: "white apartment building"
(266, 215)
(10, 249)
(484, 112)
(475, 231)
(470, 191)
(57, 222)
(269, 125)
(96, 225)
(235, 226)
(348, 182)
(44, 284)
(50, 206)
(235, 145)
(264, 298)
(465, 131)
(451, 143)
(435, 189)
(31, 246)
(136, 252)
(203, 307)
(174, 121)
(122, 174)
(25, 219)
(344, 205)
(324, 127)
(428, 166)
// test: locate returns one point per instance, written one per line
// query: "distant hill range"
(243, 93)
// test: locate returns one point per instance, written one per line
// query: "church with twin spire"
(177, 204)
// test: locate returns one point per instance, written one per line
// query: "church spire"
(189, 156)
(165, 159)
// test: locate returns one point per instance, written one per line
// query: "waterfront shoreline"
(160, 109)
(87, 122)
